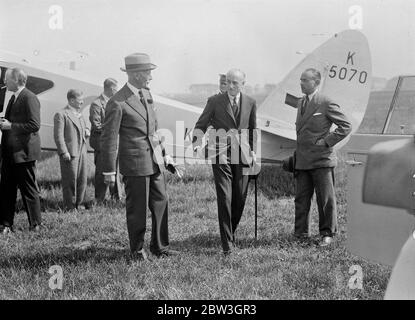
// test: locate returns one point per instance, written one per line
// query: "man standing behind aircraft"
(315, 159)
(96, 117)
(20, 146)
(130, 115)
(70, 133)
(229, 111)
(223, 85)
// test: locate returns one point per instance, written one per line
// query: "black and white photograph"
(207, 156)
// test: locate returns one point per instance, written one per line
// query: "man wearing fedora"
(130, 114)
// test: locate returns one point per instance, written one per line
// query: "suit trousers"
(22, 176)
(142, 192)
(231, 190)
(74, 179)
(321, 181)
(100, 186)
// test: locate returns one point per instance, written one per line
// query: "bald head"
(15, 78)
(235, 79)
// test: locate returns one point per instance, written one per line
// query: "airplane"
(375, 232)
(381, 185)
(344, 61)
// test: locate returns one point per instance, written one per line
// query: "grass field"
(91, 247)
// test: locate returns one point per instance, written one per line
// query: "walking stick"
(256, 208)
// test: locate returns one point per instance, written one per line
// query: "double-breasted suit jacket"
(320, 113)
(131, 117)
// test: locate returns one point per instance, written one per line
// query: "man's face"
(223, 85)
(142, 78)
(307, 83)
(77, 102)
(235, 83)
(11, 83)
(113, 90)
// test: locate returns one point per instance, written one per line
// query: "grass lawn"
(91, 247)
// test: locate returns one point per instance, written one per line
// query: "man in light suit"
(315, 158)
(130, 114)
(70, 134)
(20, 146)
(230, 112)
(96, 117)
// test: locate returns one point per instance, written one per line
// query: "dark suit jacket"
(96, 117)
(22, 142)
(315, 124)
(140, 151)
(218, 113)
(69, 132)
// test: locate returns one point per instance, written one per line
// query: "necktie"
(9, 106)
(305, 103)
(235, 108)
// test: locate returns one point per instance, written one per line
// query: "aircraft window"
(402, 119)
(376, 112)
(38, 85)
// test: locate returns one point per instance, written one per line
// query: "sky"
(192, 41)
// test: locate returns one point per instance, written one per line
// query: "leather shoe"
(141, 256)
(326, 241)
(167, 253)
(6, 230)
(36, 228)
(89, 205)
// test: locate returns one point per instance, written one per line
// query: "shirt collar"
(16, 94)
(75, 111)
(134, 89)
(105, 97)
(238, 97)
(311, 95)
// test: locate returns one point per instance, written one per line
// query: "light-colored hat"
(138, 62)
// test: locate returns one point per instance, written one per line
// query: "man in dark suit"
(130, 114)
(231, 113)
(315, 158)
(96, 117)
(20, 145)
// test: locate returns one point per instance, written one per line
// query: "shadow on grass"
(65, 256)
(50, 184)
(210, 244)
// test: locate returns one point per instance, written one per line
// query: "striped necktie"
(304, 106)
(235, 108)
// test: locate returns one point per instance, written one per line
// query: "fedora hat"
(138, 62)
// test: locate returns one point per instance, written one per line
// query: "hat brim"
(145, 67)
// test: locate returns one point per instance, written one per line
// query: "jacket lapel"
(15, 104)
(73, 119)
(227, 105)
(243, 113)
(133, 101)
(312, 106)
(101, 98)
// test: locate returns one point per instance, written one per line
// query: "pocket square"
(317, 114)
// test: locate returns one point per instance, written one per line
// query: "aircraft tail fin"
(344, 62)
